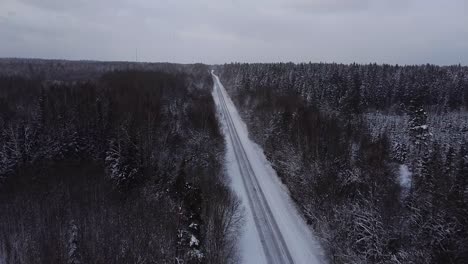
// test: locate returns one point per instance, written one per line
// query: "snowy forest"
(112, 163)
(375, 156)
(121, 162)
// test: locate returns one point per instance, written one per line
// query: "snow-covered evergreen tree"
(418, 127)
(73, 244)
(121, 164)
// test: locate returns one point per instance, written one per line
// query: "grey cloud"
(330, 6)
(213, 31)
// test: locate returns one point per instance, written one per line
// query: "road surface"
(284, 237)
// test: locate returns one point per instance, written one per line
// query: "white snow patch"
(193, 225)
(405, 178)
(194, 241)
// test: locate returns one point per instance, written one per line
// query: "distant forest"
(375, 156)
(112, 163)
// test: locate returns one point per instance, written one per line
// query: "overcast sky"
(218, 31)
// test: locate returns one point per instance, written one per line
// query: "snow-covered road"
(275, 231)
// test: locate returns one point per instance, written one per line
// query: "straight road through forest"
(275, 247)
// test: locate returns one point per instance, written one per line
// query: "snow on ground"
(300, 241)
(405, 179)
(249, 243)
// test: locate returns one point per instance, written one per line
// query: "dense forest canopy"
(119, 167)
(361, 87)
(375, 156)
